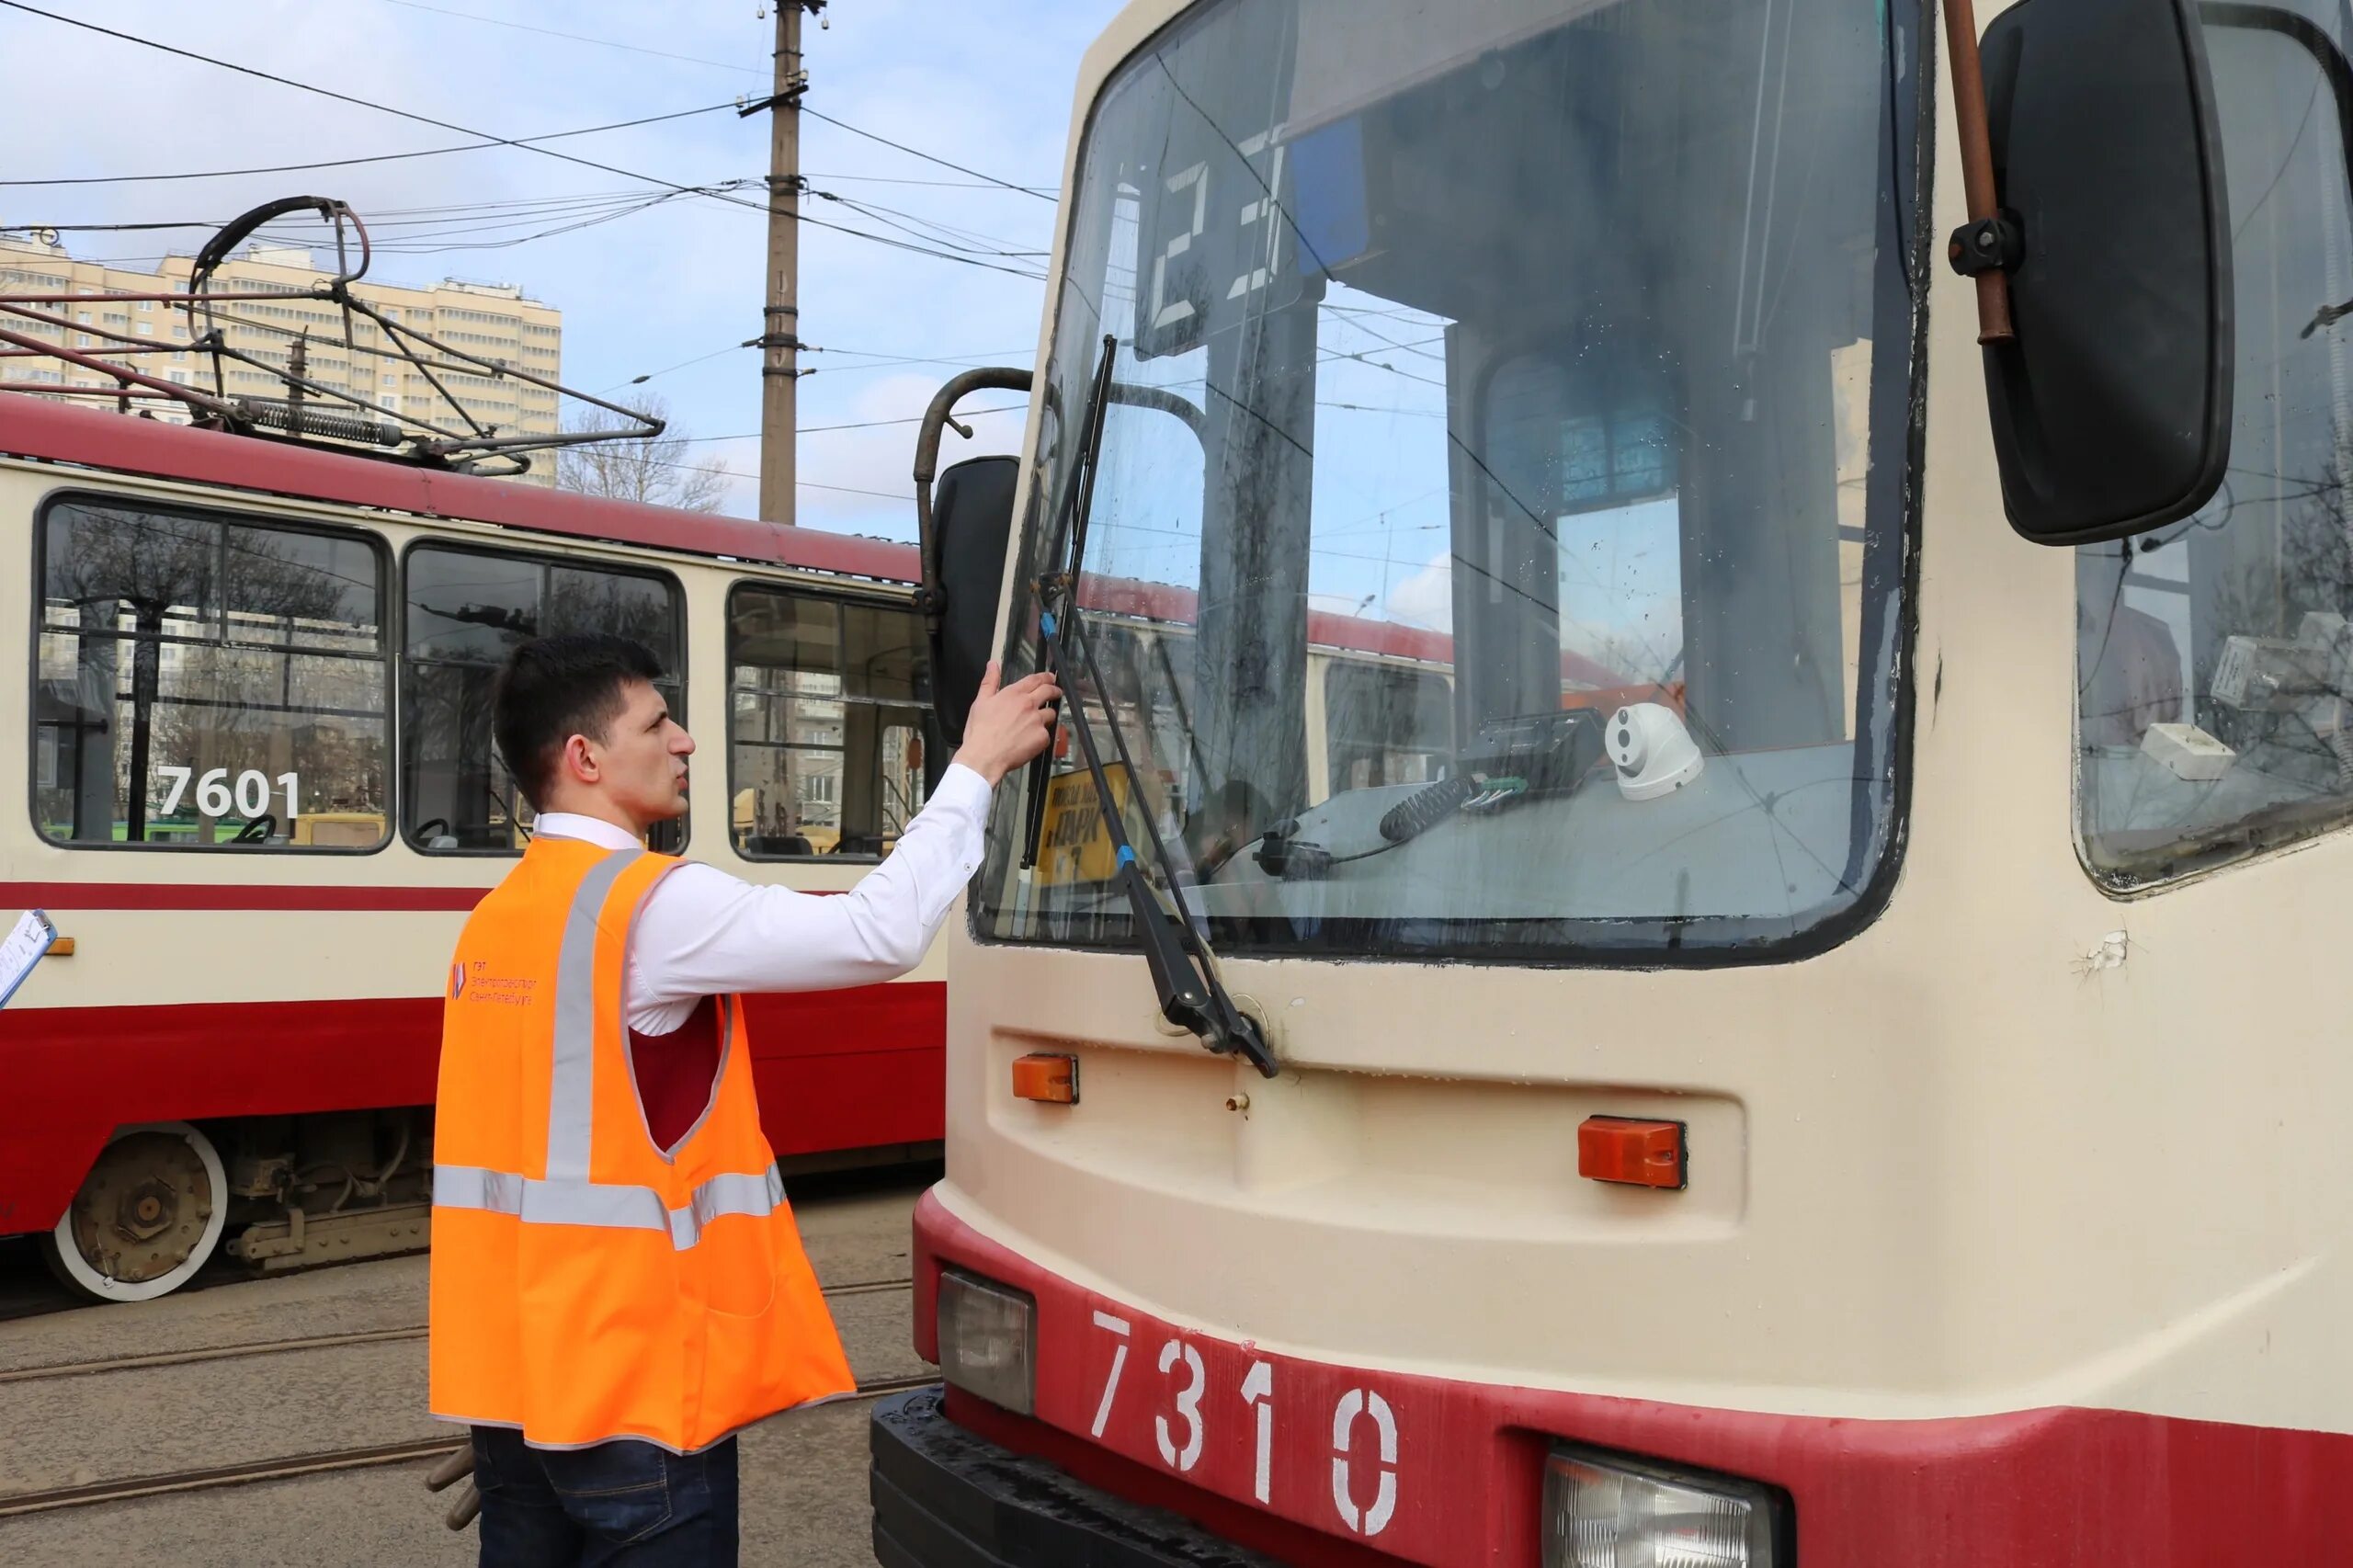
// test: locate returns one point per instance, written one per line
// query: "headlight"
(1605, 1510)
(984, 1341)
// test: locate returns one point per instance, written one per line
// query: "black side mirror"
(2111, 406)
(972, 514)
(961, 532)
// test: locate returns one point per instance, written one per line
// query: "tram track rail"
(309, 1342)
(320, 1463)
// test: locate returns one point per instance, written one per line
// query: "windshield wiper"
(1184, 969)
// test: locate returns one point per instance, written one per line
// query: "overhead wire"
(312, 88)
(724, 472)
(1043, 193)
(1047, 192)
(460, 228)
(574, 226)
(683, 364)
(936, 184)
(798, 483)
(372, 158)
(581, 37)
(938, 232)
(514, 209)
(865, 423)
(875, 361)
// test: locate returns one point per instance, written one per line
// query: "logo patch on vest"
(473, 983)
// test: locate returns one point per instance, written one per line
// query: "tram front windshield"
(1557, 354)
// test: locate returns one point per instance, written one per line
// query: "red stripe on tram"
(223, 896)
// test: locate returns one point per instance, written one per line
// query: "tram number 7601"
(249, 797)
(1180, 1426)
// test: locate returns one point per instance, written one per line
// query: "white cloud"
(1426, 598)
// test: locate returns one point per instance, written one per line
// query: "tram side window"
(2233, 627)
(468, 608)
(1386, 725)
(827, 711)
(207, 682)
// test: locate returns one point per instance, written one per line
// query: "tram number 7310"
(1185, 1410)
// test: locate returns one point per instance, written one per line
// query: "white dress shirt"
(703, 933)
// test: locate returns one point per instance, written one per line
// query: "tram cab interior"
(1586, 342)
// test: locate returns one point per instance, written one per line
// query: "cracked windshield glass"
(1496, 539)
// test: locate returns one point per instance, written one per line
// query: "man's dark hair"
(557, 687)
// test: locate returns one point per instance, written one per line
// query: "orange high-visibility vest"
(587, 1285)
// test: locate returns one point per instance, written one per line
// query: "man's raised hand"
(1009, 725)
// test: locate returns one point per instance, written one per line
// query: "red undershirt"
(677, 1072)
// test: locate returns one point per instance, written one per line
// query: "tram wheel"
(148, 1216)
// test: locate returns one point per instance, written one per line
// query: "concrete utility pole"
(780, 338)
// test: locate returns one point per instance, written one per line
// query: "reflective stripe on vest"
(572, 1086)
(577, 1202)
(566, 1196)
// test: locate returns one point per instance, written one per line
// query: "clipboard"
(22, 948)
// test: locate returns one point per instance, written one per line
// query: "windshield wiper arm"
(1061, 587)
(1184, 969)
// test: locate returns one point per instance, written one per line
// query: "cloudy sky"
(670, 289)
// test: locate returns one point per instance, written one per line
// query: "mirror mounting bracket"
(1994, 321)
(1990, 244)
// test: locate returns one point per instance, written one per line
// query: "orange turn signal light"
(1630, 1152)
(1046, 1078)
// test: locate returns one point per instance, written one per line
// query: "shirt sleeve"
(704, 932)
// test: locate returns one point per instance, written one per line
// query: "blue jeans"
(619, 1504)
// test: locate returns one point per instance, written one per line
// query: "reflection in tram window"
(208, 683)
(1386, 725)
(2214, 667)
(467, 610)
(827, 718)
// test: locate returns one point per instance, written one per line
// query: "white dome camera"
(1653, 751)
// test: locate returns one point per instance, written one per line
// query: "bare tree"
(666, 471)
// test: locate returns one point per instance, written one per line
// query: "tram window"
(207, 682)
(1527, 331)
(1386, 725)
(468, 608)
(827, 716)
(2235, 621)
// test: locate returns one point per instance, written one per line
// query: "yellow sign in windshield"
(1075, 847)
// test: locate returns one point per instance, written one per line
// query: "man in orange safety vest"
(617, 1286)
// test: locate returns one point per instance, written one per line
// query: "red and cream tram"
(259, 796)
(1870, 1100)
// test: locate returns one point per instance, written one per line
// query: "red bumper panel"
(1434, 1472)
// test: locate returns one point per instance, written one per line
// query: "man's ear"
(580, 759)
